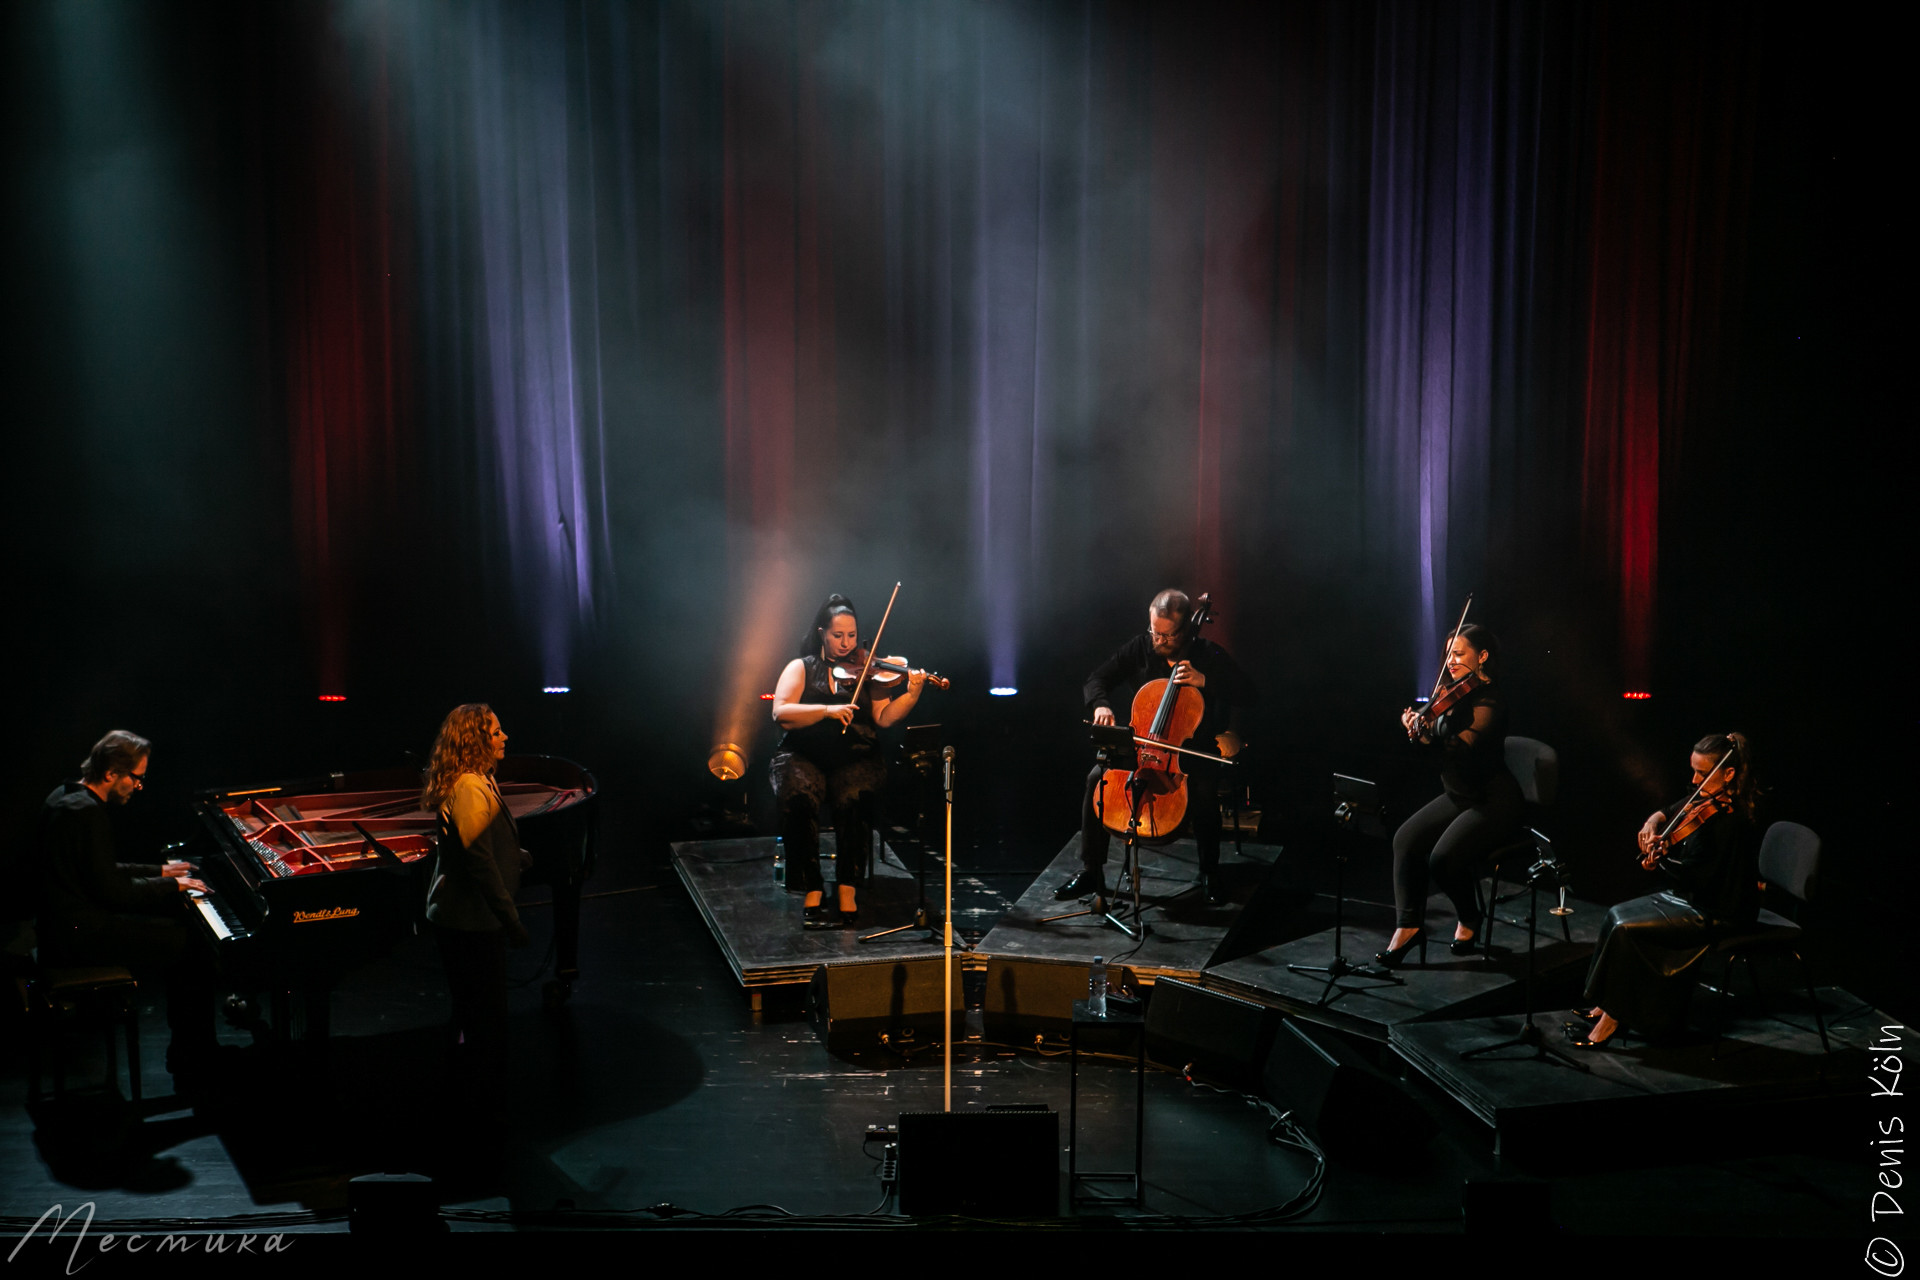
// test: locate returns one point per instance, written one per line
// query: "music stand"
(1114, 749)
(1357, 812)
(920, 744)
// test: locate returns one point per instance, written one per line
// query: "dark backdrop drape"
(419, 353)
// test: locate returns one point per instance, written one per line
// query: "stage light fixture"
(1003, 691)
(556, 688)
(1636, 695)
(333, 697)
(727, 762)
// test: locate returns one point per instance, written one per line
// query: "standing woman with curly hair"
(470, 902)
(1648, 957)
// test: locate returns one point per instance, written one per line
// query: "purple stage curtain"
(1403, 299)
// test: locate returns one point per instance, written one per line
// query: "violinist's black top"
(822, 742)
(1717, 868)
(1136, 663)
(1468, 766)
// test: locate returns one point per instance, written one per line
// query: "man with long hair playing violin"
(1650, 948)
(830, 753)
(1168, 649)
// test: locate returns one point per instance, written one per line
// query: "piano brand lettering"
(331, 913)
(135, 1242)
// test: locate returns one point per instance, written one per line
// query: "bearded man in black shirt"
(95, 909)
(1169, 650)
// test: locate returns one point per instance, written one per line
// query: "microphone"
(946, 755)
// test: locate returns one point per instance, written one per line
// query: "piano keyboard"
(211, 915)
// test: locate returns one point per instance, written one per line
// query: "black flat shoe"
(1577, 1037)
(1391, 959)
(1215, 889)
(820, 917)
(1085, 885)
(848, 919)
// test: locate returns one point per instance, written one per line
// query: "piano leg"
(316, 1020)
(302, 1020)
(566, 942)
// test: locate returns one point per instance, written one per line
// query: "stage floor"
(1446, 986)
(658, 1085)
(1184, 934)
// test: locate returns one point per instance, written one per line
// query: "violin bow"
(872, 651)
(1457, 628)
(1712, 773)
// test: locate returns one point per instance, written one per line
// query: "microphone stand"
(1116, 750)
(924, 919)
(946, 970)
(1530, 1034)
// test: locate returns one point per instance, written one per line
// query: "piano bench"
(106, 995)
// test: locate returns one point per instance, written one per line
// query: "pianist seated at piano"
(97, 910)
(470, 898)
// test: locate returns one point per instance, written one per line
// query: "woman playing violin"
(830, 752)
(1446, 841)
(1647, 959)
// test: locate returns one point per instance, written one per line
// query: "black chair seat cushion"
(1770, 927)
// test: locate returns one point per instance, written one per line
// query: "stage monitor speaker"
(881, 1004)
(1032, 1000)
(1224, 1039)
(980, 1164)
(1351, 1107)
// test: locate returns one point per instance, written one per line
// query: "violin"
(1445, 699)
(884, 673)
(1702, 807)
(1164, 715)
(1692, 816)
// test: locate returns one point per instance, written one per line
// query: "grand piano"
(309, 879)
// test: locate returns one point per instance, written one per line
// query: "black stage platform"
(1447, 986)
(1184, 934)
(756, 920)
(1738, 1056)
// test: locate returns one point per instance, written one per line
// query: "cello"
(1164, 715)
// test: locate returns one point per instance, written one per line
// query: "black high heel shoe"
(1391, 959)
(819, 917)
(1465, 946)
(1582, 1037)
